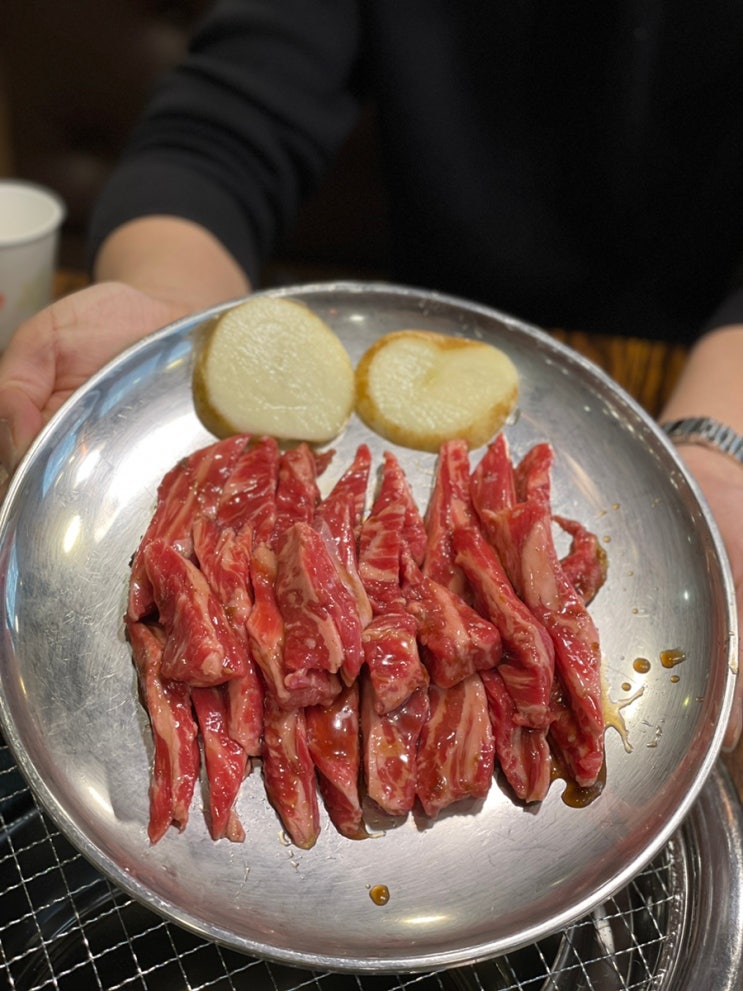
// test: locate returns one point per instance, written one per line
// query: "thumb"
(20, 422)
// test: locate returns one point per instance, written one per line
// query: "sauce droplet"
(613, 713)
(641, 665)
(578, 797)
(379, 894)
(675, 679)
(670, 658)
(626, 686)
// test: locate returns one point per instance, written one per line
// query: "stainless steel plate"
(480, 881)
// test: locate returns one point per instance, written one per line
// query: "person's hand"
(721, 480)
(57, 350)
(149, 272)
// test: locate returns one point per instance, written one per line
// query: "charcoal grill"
(675, 927)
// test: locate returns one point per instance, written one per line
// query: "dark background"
(74, 76)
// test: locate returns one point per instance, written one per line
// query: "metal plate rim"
(334, 961)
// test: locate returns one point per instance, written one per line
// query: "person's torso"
(577, 164)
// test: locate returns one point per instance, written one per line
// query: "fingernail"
(8, 452)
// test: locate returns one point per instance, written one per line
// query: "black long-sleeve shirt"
(573, 163)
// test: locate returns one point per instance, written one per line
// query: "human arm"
(172, 260)
(710, 386)
(210, 182)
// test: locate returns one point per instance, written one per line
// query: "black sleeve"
(237, 136)
(730, 311)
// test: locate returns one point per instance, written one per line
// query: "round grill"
(63, 925)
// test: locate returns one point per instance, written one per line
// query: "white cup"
(30, 219)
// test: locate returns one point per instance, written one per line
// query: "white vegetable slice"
(418, 388)
(270, 365)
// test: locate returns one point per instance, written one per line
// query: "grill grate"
(64, 926)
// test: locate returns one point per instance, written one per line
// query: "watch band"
(707, 432)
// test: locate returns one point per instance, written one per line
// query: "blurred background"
(74, 77)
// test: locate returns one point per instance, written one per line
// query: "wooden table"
(647, 370)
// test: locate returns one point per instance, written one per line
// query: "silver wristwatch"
(707, 432)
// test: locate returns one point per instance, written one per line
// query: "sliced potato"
(418, 388)
(272, 366)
